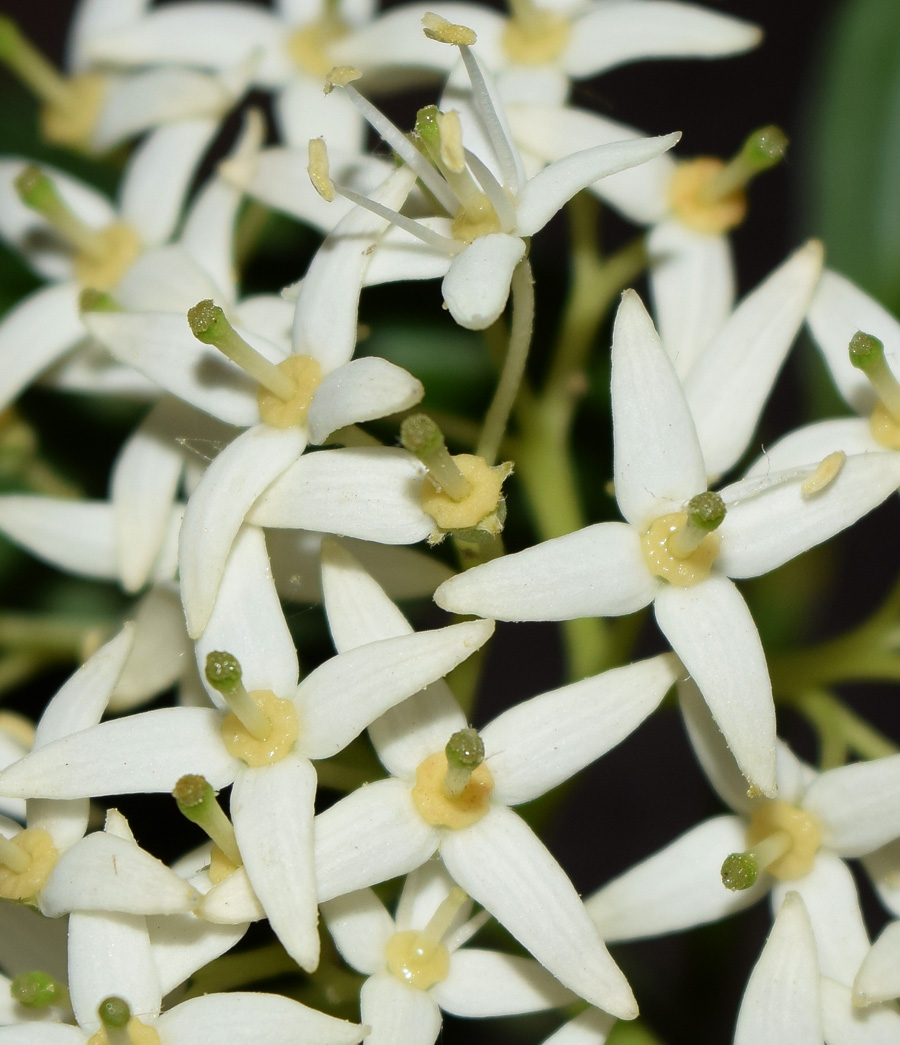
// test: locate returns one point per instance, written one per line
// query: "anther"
(38, 990)
(340, 76)
(197, 802)
(209, 325)
(867, 355)
(319, 169)
(444, 32)
(223, 673)
(422, 438)
(465, 753)
(762, 149)
(705, 513)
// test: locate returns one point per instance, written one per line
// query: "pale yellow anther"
(437, 28)
(450, 129)
(340, 76)
(307, 375)
(280, 739)
(220, 867)
(436, 808)
(802, 829)
(826, 472)
(478, 508)
(687, 199)
(135, 1033)
(27, 865)
(319, 169)
(682, 571)
(884, 428)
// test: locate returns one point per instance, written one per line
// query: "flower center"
(867, 355)
(308, 46)
(119, 1027)
(197, 802)
(418, 958)
(681, 547)
(533, 36)
(453, 787)
(100, 256)
(25, 864)
(783, 840)
(306, 375)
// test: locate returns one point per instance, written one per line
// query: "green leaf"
(852, 188)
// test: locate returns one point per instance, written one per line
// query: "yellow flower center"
(689, 200)
(70, 120)
(111, 252)
(437, 808)
(536, 39)
(798, 832)
(661, 560)
(308, 47)
(279, 739)
(478, 504)
(476, 219)
(134, 1033)
(306, 374)
(27, 865)
(417, 960)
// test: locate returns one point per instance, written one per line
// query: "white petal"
(858, 805)
(595, 572)
(879, 976)
(303, 111)
(503, 866)
(657, 454)
(158, 176)
(731, 381)
(247, 621)
(590, 1028)
(398, 1013)
(401, 256)
(35, 333)
(846, 1024)
(832, 903)
(146, 752)
(161, 651)
(407, 734)
(883, 867)
(370, 836)
(342, 696)
(105, 873)
(487, 983)
(162, 347)
(692, 284)
(109, 954)
(608, 35)
(75, 536)
(812, 443)
(252, 1019)
(217, 509)
(781, 1002)
(711, 630)
(549, 191)
(95, 18)
(272, 810)
(676, 888)
(839, 309)
(183, 943)
(476, 286)
(360, 927)
(764, 530)
(551, 132)
(541, 742)
(232, 901)
(361, 390)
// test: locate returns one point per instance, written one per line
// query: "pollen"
(660, 560)
(306, 374)
(436, 808)
(804, 832)
(686, 197)
(276, 744)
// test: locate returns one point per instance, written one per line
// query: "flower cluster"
(274, 452)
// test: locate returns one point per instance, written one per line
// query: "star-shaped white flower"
(661, 468)
(274, 779)
(417, 964)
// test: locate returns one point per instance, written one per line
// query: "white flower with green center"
(452, 789)
(798, 841)
(265, 746)
(417, 964)
(117, 981)
(488, 209)
(538, 49)
(681, 545)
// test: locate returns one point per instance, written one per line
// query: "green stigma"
(192, 790)
(223, 672)
(421, 436)
(764, 148)
(706, 510)
(37, 990)
(205, 319)
(114, 1012)
(866, 351)
(465, 750)
(739, 872)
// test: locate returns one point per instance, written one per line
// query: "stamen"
(762, 149)
(867, 355)
(826, 472)
(209, 325)
(414, 228)
(503, 206)
(440, 922)
(740, 870)
(223, 673)
(488, 108)
(12, 856)
(197, 801)
(465, 753)
(319, 169)
(705, 513)
(444, 32)
(38, 990)
(422, 438)
(39, 193)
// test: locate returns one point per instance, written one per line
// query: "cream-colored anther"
(309, 46)
(27, 861)
(279, 738)
(319, 169)
(340, 76)
(450, 130)
(444, 32)
(688, 200)
(306, 376)
(826, 472)
(804, 836)
(439, 810)
(478, 505)
(680, 570)
(134, 1033)
(418, 958)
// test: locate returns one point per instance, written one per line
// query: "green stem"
(35, 634)
(841, 728)
(233, 971)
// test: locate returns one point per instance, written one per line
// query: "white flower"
(274, 783)
(417, 965)
(879, 975)
(661, 470)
